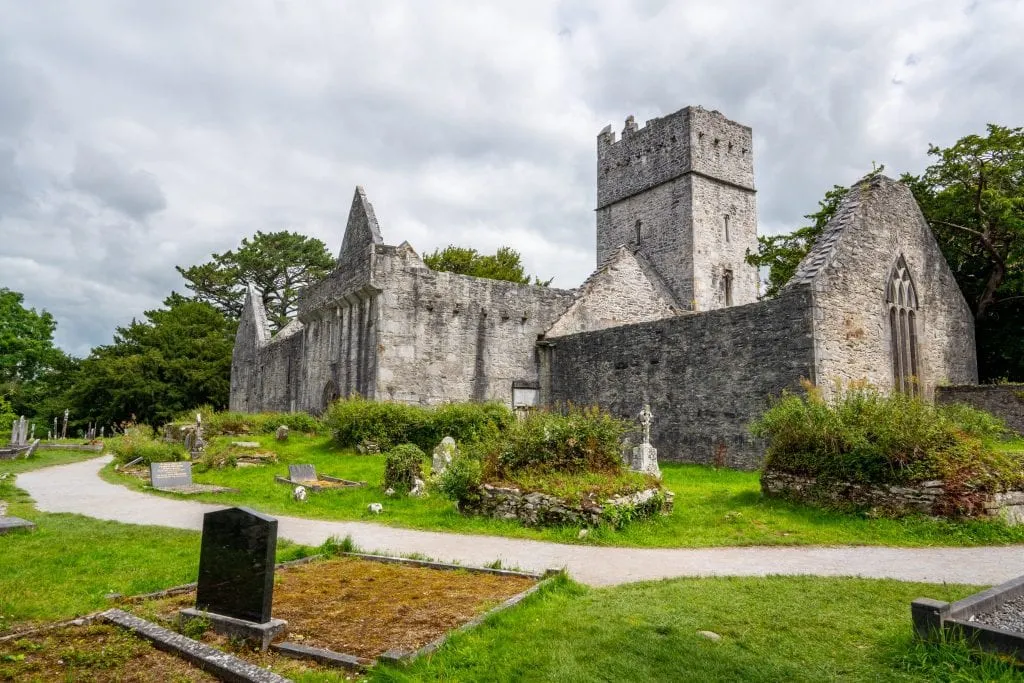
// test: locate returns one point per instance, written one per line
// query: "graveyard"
(87, 598)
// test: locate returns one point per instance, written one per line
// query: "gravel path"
(78, 488)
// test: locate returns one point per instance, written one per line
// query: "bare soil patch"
(364, 608)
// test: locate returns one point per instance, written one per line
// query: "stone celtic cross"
(645, 419)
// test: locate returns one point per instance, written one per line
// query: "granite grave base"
(258, 634)
(306, 476)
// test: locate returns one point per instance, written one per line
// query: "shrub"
(580, 440)
(137, 442)
(461, 480)
(387, 424)
(863, 436)
(402, 465)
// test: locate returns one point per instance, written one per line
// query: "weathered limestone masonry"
(1002, 400)
(680, 191)
(878, 230)
(705, 375)
(670, 317)
(385, 326)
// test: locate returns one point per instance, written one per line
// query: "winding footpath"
(78, 488)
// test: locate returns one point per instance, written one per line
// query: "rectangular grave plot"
(165, 475)
(302, 473)
(236, 564)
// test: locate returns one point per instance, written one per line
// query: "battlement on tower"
(691, 140)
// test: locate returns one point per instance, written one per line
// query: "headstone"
(55, 428)
(444, 452)
(282, 433)
(645, 456)
(165, 475)
(419, 487)
(246, 444)
(236, 564)
(64, 429)
(302, 473)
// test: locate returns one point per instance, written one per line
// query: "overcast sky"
(136, 136)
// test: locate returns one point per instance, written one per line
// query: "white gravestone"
(645, 456)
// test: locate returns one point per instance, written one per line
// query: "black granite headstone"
(302, 473)
(165, 475)
(236, 564)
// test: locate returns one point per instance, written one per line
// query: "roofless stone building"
(670, 317)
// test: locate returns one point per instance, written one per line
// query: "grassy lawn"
(69, 563)
(712, 508)
(773, 629)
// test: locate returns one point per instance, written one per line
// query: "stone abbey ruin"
(670, 317)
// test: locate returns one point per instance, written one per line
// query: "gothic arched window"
(901, 300)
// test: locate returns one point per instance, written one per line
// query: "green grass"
(1015, 445)
(712, 508)
(773, 629)
(69, 563)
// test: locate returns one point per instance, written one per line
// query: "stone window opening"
(637, 227)
(726, 227)
(727, 286)
(901, 302)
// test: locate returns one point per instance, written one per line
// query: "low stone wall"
(928, 497)
(1005, 401)
(541, 509)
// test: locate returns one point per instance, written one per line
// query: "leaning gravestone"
(444, 453)
(236, 575)
(301, 473)
(170, 475)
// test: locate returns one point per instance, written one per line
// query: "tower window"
(727, 286)
(901, 299)
(638, 225)
(726, 227)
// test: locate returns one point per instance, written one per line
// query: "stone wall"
(849, 269)
(541, 509)
(927, 498)
(448, 337)
(706, 376)
(1005, 401)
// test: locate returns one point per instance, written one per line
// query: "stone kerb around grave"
(542, 509)
(992, 620)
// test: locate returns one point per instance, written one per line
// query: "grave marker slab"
(302, 473)
(11, 523)
(165, 475)
(236, 564)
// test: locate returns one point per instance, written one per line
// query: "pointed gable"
(624, 290)
(361, 231)
(253, 323)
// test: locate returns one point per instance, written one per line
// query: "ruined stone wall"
(1005, 401)
(264, 370)
(446, 337)
(849, 269)
(705, 375)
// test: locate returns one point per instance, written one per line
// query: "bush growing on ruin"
(356, 420)
(864, 436)
(403, 464)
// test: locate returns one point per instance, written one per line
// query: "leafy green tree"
(179, 357)
(32, 369)
(781, 254)
(973, 199)
(505, 264)
(278, 264)
(26, 340)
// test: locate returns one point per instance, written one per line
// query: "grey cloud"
(133, 192)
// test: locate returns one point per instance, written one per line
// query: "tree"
(505, 264)
(781, 254)
(31, 367)
(176, 359)
(278, 264)
(973, 199)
